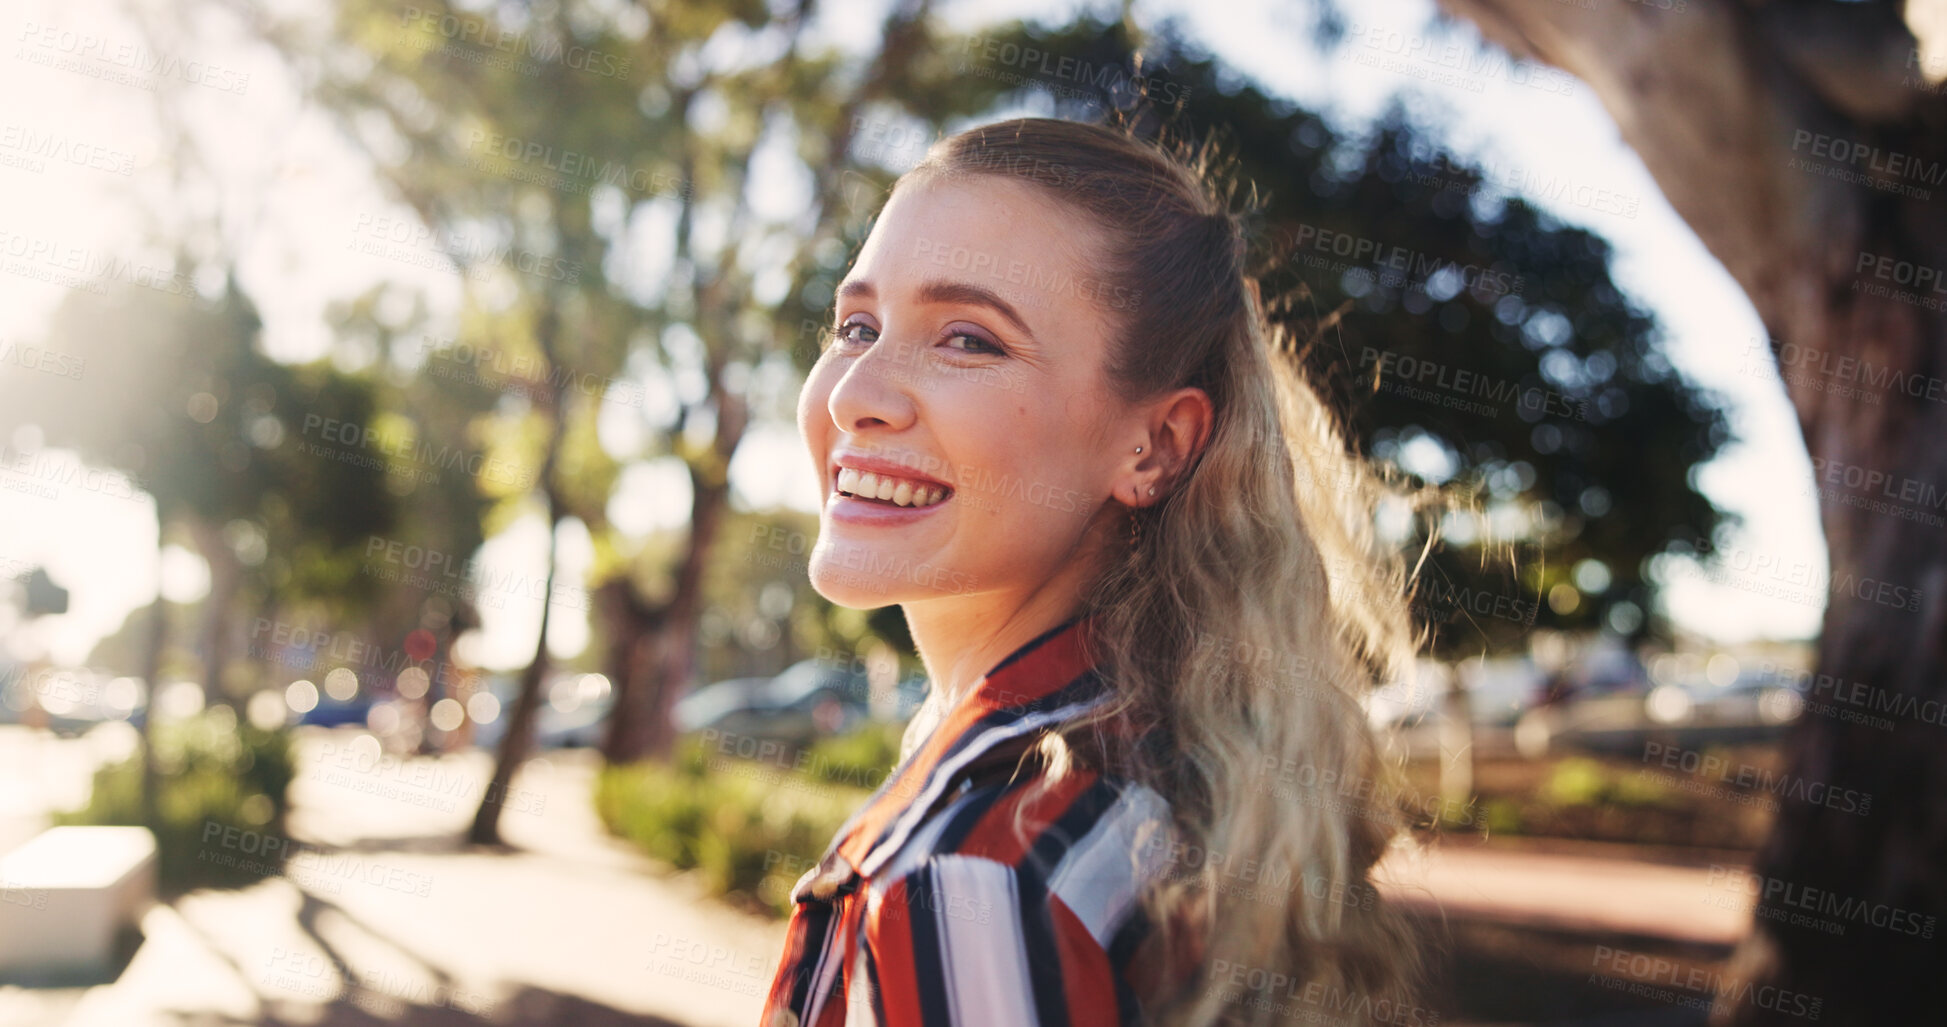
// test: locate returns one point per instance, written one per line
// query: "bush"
(863, 757)
(215, 777)
(749, 829)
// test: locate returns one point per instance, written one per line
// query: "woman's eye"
(973, 343)
(855, 332)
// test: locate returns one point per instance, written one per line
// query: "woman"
(1052, 425)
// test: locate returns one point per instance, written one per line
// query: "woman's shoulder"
(1016, 898)
(1086, 839)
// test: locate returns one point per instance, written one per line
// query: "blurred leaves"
(221, 781)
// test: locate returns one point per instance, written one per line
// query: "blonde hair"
(1232, 569)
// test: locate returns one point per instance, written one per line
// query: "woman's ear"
(1181, 429)
(1179, 426)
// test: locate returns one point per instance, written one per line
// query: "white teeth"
(899, 491)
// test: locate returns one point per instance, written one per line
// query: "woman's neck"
(961, 642)
(960, 638)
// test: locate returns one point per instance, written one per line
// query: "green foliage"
(1589, 799)
(216, 780)
(1575, 782)
(1501, 816)
(750, 830)
(1580, 781)
(184, 400)
(1437, 315)
(864, 756)
(1586, 435)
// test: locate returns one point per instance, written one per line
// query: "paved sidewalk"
(1575, 891)
(390, 922)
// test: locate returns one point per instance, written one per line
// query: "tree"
(183, 401)
(1397, 260)
(1804, 142)
(594, 135)
(440, 508)
(1467, 339)
(517, 153)
(184, 405)
(605, 134)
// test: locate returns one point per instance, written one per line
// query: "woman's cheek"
(814, 400)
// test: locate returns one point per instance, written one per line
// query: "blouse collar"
(1045, 682)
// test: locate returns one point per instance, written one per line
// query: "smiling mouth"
(888, 490)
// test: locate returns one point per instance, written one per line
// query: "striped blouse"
(930, 908)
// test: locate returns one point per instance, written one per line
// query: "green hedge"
(860, 759)
(221, 795)
(749, 828)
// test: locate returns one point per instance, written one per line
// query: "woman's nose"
(877, 389)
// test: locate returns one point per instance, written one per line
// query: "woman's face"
(967, 377)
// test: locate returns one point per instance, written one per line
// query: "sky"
(295, 194)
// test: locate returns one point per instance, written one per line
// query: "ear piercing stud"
(1139, 449)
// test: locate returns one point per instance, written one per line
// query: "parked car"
(69, 701)
(1692, 712)
(1497, 691)
(808, 700)
(1598, 704)
(1755, 707)
(573, 713)
(331, 712)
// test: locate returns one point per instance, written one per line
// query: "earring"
(1139, 449)
(1152, 490)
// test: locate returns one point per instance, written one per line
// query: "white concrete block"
(64, 895)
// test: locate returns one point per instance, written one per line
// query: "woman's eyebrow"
(939, 291)
(942, 291)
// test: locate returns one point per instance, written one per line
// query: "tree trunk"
(517, 740)
(651, 657)
(632, 628)
(226, 576)
(1727, 104)
(154, 644)
(641, 728)
(659, 658)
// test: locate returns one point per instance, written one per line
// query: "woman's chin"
(851, 587)
(867, 577)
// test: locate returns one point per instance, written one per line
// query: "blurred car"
(1497, 691)
(331, 712)
(808, 700)
(69, 701)
(573, 712)
(1755, 707)
(1599, 704)
(1621, 715)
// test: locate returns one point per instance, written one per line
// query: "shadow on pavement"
(439, 1003)
(526, 1006)
(127, 940)
(1482, 972)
